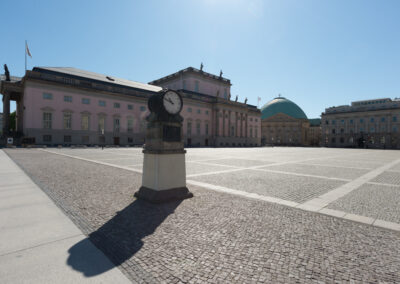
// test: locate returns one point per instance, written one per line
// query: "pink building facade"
(67, 106)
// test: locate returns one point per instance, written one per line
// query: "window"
(189, 128)
(251, 132)
(333, 131)
(206, 128)
(102, 103)
(372, 129)
(198, 111)
(67, 139)
(333, 140)
(372, 119)
(256, 120)
(130, 107)
(142, 108)
(232, 131)
(361, 120)
(198, 128)
(102, 124)
(47, 96)
(130, 125)
(342, 121)
(383, 119)
(333, 122)
(206, 111)
(394, 118)
(342, 130)
(46, 138)
(326, 122)
(85, 139)
(67, 120)
(117, 105)
(68, 99)
(394, 129)
(341, 140)
(196, 86)
(47, 120)
(256, 133)
(189, 109)
(85, 122)
(86, 101)
(361, 129)
(130, 140)
(251, 119)
(351, 121)
(116, 124)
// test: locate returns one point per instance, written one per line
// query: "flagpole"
(25, 55)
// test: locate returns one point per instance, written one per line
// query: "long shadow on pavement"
(121, 237)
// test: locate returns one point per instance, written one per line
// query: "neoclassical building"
(285, 123)
(363, 124)
(68, 106)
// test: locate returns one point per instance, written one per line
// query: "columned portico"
(6, 112)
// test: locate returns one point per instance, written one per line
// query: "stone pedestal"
(164, 170)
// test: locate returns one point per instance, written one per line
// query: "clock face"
(172, 102)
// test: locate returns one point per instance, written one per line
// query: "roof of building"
(99, 77)
(191, 70)
(282, 105)
(314, 121)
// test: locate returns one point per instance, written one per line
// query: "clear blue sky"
(316, 53)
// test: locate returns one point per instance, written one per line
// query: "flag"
(27, 50)
(258, 99)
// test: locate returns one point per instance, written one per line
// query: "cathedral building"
(68, 106)
(284, 123)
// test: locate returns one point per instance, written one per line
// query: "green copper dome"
(282, 105)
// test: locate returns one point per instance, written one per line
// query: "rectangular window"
(351, 121)
(85, 139)
(86, 101)
(46, 138)
(117, 105)
(198, 128)
(130, 107)
(198, 111)
(342, 121)
(85, 122)
(189, 128)
(206, 111)
(102, 124)
(130, 124)
(47, 120)
(67, 139)
(47, 96)
(189, 109)
(394, 118)
(116, 124)
(142, 108)
(372, 119)
(196, 86)
(67, 120)
(130, 140)
(333, 122)
(383, 119)
(361, 120)
(256, 133)
(68, 99)
(206, 128)
(102, 103)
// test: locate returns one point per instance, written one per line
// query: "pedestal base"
(161, 196)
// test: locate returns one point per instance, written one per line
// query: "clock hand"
(168, 99)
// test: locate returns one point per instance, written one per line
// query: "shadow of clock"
(120, 238)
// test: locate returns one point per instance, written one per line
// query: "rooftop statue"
(236, 98)
(245, 101)
(7, 73)
(201, 66)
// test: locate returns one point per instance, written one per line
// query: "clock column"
(164, 170)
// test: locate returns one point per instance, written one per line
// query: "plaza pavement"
(259, 215)
(36, 236)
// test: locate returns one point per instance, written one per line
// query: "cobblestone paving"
(213, 237)
(388, 177)
(288, 187)
(328, 171)
(371, 200)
